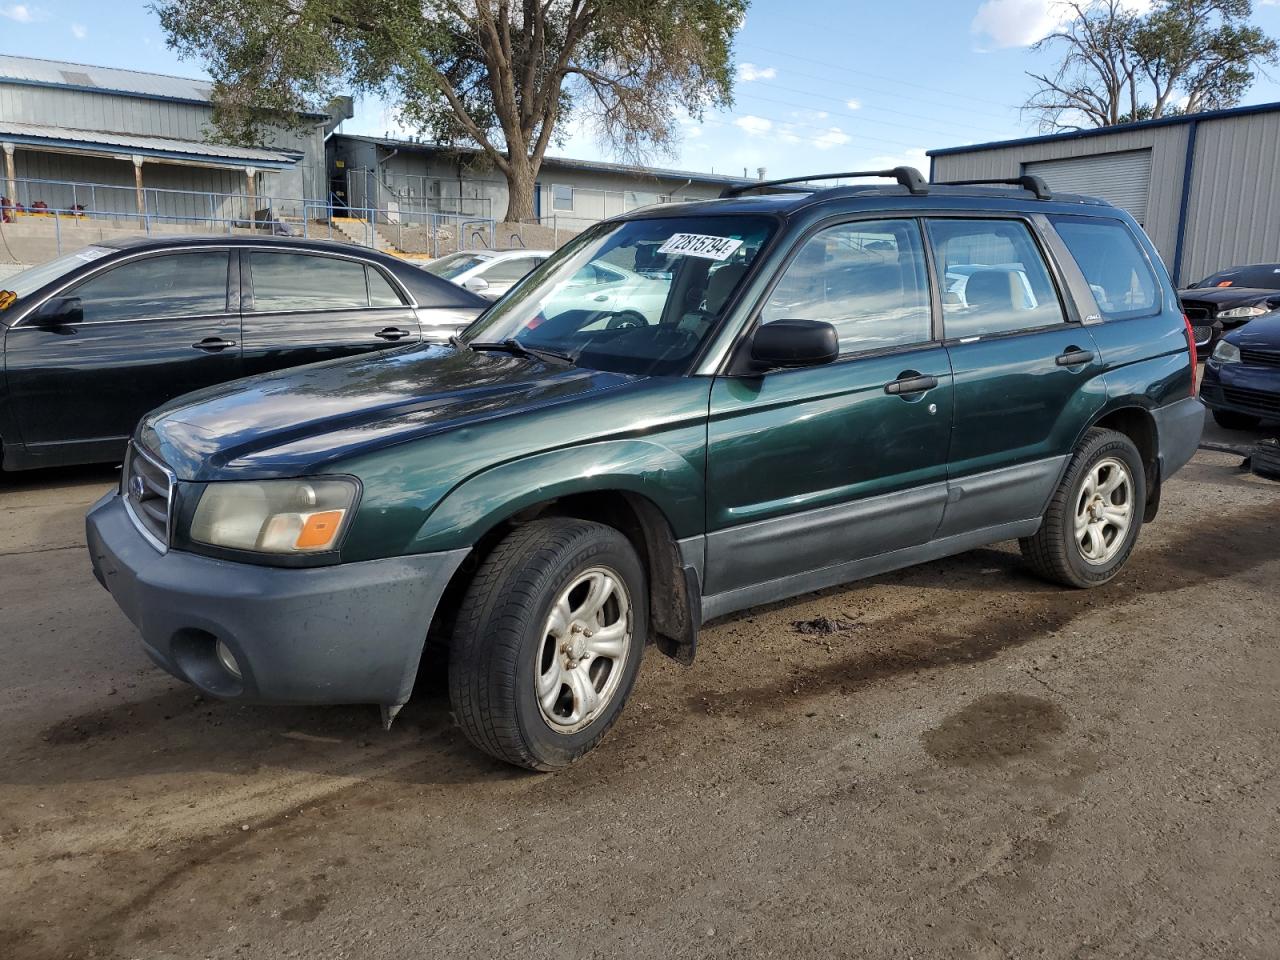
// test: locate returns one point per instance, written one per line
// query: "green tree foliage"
(503, 75)
(1116, 66)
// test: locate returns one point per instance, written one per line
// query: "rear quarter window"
(1113, 264)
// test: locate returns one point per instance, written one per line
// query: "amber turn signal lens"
(319, 530)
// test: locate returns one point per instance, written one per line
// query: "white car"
(489, 273)
(605, 287)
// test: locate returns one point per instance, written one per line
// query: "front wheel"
(1093, 520)
(548, 642)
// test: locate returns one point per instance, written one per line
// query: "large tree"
(1116, 66)
(503, 75)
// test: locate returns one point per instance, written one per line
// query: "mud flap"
(679, 637)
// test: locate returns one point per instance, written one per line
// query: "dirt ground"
(971, 764)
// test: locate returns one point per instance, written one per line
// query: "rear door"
(153, 328)
(811, 468)
(301, 307)
(1025, 367)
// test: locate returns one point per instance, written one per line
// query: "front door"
(1025, 372)
(153, 328)
(304, 307)
(815, 467)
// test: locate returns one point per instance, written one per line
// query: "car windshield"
(454, 265)
(1265, 276)
(637, 296)
(29, 281)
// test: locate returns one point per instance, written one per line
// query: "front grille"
(1256, 401)
(1202, 334)
(148, 489)
(1262, 358)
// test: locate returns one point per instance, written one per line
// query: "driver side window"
(867, 279)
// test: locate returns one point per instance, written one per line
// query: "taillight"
(1191, 349)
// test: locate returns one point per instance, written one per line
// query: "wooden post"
(9, 174)
(252, 192)
(137, 186)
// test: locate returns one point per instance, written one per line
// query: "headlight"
(1226, 352)
(1241, 313)
(273, 516)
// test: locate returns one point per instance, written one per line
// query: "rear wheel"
(1235, 421)
(548, 642)
(1093, 520)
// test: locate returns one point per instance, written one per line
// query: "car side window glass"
(1112, 263)
(381, 293)
(508, 271)
(867, 279)
(298, 281)
(173, 285)
(993, 278)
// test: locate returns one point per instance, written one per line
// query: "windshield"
(454, 265)
(1265, 276)
(29, 281)
(638, 296)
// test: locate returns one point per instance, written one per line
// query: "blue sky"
(821, 85)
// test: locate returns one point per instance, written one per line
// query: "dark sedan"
(95, 339)
(1241, 382)
(1229, 298)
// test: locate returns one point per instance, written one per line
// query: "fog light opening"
(228, 660)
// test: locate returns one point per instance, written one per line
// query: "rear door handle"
(907, 385)
(213, 344)
(1074, 357)
(392, 333)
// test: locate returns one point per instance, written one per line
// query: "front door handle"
(910, 385)
(391, 333)
(213, 344)
(1073, 357)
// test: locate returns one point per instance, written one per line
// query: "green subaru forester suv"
(791, 390)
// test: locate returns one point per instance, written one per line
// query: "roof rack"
(1027, 182)
(908, 177)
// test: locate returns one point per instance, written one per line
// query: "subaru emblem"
(137, 487)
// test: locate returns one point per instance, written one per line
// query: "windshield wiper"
(458, 343)
(514, 346)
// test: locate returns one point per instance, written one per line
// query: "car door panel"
(307, 307)
(87, 384)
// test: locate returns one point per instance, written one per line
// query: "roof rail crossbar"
(908, 177)
(1027, 181)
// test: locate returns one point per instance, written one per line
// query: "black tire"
(499, 640)
(1235, 421)
(1054, 552)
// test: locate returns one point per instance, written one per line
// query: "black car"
(94, 339)
(1228, 298)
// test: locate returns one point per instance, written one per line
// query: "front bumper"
(1242, 388)
(349, 633)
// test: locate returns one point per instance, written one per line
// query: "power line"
(887, 123)
(897, 95)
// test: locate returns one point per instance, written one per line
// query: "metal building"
(110, 141)
(1205, 186)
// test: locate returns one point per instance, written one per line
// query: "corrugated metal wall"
(1234, 212)
(1168, 147)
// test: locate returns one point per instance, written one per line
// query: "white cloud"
(912, 157)
(853, 104)
(754, 126)
(21, 13)
(749, 71)
(79, 31)
(831, 137)
(1020, 23)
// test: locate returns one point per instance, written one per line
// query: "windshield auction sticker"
(6, 299)
(700, 245)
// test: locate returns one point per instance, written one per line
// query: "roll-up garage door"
(1120, 178)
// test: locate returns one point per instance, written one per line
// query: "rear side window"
(296, 281)
(867, 279)
(175, 285)
(993, 278)
(1113, 264)
(509, 271)
(381, 293)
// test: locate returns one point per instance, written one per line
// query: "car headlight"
(274, 516)
(1226, 352)
(1242, 313)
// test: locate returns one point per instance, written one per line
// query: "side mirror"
(794, 343)
(59, 312)
(476, 284)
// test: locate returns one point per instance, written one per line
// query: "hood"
(1260, 333)
(1224, 297)
(296, 421)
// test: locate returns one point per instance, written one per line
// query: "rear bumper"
(1178, 429)
(350, 633)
